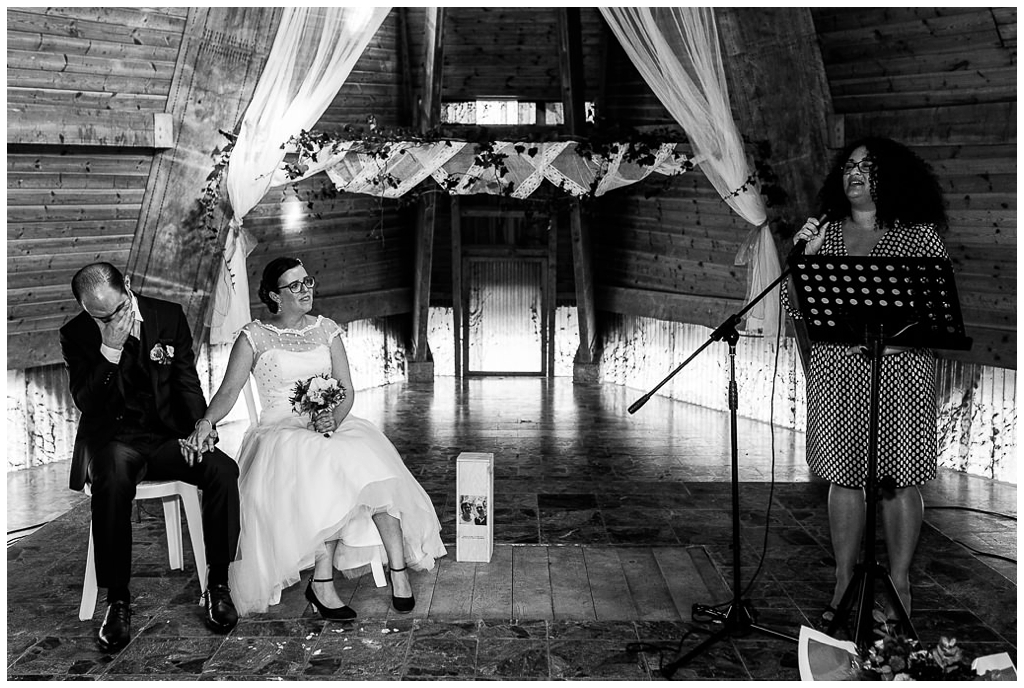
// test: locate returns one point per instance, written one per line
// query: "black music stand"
(875, 302)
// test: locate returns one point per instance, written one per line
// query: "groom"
(132, 375)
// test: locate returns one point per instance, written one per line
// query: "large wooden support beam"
(420, 366)
(780, 93)
(29, 123)
(421, 278)
(222, 54)
(551, 294)
(433, 66)
(570, 59)
(456, 214)
(583, 272)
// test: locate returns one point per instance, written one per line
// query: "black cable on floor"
(21, 530)
(957, 507)
(980, 553)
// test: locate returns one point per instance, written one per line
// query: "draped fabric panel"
(313, 54)
(676, 51)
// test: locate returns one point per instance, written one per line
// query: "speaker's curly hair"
(271, 274)
(903, 186)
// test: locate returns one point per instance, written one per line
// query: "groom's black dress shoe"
(221, 616)
(116, 630)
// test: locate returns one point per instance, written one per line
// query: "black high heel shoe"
(342, 613)
(402, 605)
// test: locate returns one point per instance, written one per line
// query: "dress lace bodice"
(283, 357)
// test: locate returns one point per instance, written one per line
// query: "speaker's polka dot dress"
(838, 391)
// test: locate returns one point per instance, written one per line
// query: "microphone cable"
(771, 433)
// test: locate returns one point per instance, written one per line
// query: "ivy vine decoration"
(605, 142)
(201, 219)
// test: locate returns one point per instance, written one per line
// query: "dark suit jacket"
(96, 383)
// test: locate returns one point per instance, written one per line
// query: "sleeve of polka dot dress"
(932, 245)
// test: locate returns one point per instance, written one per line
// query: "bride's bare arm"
(239, 365)
(340, 371)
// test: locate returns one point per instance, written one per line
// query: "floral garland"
(641, 148)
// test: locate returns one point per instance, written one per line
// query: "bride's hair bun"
(271, 274)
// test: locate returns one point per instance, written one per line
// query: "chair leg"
(194, 518)
(378, 571)
(89, 586)
(172, 524)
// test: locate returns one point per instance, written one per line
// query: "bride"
(309, 499)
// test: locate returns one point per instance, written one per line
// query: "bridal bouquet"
(318, 393)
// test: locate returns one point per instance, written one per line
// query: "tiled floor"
(597, 511)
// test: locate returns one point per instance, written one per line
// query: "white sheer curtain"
(676, 50)
(313, 54)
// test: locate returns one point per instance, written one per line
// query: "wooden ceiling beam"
(222, 54)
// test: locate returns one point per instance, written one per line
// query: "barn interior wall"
(941, 79)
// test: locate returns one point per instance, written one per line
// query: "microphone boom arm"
(725, 331)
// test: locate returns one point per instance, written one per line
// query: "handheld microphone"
(798, 247)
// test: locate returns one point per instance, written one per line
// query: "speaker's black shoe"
(342, 613)
(221, 616)
(402, 605)
(116, 630)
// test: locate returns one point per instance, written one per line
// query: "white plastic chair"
(169, 491)
(376, 564)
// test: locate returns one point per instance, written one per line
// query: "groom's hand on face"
(116, 330)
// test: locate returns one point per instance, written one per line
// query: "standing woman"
(313, 493)
(881, 200)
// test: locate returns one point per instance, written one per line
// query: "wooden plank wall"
(507, 52)
(944, 81)
(358, 247)
(90, 71)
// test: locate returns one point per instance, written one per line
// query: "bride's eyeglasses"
(304, 284)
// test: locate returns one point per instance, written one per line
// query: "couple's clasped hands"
(202, 440)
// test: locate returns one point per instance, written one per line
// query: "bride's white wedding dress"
(299, 488)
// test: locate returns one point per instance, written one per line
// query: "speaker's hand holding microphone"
(809, 238)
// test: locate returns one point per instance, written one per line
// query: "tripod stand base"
(738, 620)
(862, 586)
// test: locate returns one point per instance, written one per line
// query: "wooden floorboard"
(571, 596)
(681, 576)
(612, 601)
(453, 592)
(492, 590)
(647, 586)
(531, 583)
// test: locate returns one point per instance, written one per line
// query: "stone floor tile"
(355, 656)
(594, 659)
(261, 656)
(510, 659)
(52, 656)
(163, 656)
(442, 658)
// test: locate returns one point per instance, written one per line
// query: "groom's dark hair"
(95, 275)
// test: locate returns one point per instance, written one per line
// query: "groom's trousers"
(128, 459)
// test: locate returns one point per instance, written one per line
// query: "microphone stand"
(740, 618)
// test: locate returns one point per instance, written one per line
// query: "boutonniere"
(164, 355)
